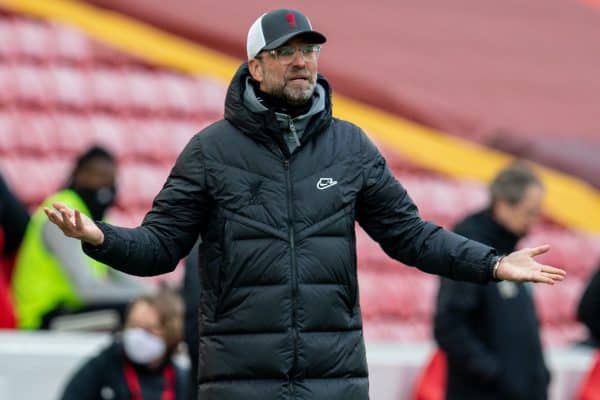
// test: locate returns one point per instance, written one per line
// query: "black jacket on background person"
(490, 332)
(103, 378)
(13, 219)
(279, 312)
(588, 311)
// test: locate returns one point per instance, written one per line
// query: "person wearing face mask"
(138, 364)
(490, 334)
(52, 275)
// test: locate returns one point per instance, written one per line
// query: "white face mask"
(142, 347)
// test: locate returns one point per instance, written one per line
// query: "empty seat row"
(40, 133)
(558, 304)
(139, 184)
(393, 294)
(34, 178)
(37, 41)
(441, 200)
(117, 90)
(396, 330)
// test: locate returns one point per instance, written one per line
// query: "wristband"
(496, 267)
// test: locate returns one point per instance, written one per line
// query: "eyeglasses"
(286, 54)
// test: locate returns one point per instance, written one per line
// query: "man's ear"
(255, 70)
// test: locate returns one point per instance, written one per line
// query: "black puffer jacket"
(279, 312)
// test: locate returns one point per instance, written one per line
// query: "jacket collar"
(263, 126)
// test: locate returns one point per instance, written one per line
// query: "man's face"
(519, 218)
(294, 82)
(98, 173)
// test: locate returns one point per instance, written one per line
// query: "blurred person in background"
(52, 276)
(274, 190)
(13, 222)
(588, 311)
(139, 363)
(490, 333)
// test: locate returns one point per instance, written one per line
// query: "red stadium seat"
(71, 87)
(33, 40)
(394, 294)
(32, 84)
(139, 183)
(577, 253)
(8, 132)
(8, 45)
(129, 219)
(209, 97)
(176, 136)
(178, 93)
(70, 45)
(144, 91)
(35, 132)
(400, 331)
(557, 304)
(8, 86)
(111, 132)
(562, 335)
(34, 178)
(108, 90)
(73, 133)
(144, 138)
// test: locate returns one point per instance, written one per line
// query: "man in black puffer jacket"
(275, 189)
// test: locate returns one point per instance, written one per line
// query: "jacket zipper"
(294, 280)
(294, 132)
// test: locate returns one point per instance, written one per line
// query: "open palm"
(520, 266)
(75, 224)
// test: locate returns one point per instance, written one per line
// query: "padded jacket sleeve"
(169, 230)
(387, 213)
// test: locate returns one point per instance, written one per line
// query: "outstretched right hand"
(74, 224)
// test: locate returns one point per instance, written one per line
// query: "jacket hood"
(263, 126)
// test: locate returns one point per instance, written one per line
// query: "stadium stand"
(65, 91)
(61, 91)
(438, 72)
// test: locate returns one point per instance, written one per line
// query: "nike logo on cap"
(325, 183)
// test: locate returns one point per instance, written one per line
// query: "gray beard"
(291, 97)
(288, 96)
(294, 100)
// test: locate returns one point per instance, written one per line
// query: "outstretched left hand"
(519, 266)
